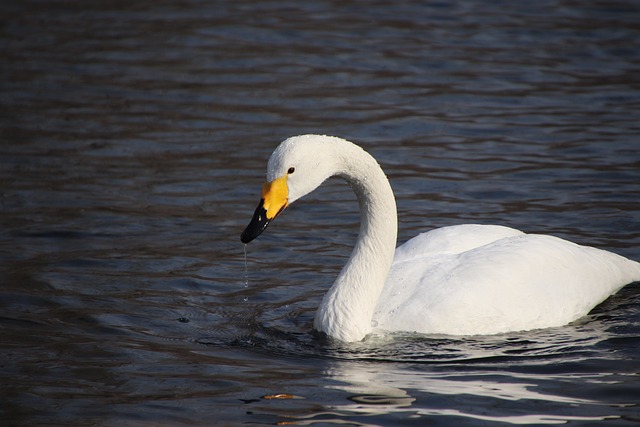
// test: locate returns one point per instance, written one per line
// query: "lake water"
(134, 139)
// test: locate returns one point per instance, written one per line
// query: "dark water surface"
(134, 138)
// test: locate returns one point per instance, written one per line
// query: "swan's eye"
(291, 170)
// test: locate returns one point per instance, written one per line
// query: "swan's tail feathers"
(635, 273)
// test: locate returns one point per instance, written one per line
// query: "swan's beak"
(274, 199)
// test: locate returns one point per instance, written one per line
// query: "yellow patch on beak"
(276, 196)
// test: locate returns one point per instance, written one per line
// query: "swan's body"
(461, 280)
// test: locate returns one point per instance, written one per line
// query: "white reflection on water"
(387, 389)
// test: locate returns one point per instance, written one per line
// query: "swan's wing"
(515, 283)
(453, 239)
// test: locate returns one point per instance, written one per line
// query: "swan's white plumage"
(463, 280)
(515, 282)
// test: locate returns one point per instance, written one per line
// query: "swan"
(458, 280)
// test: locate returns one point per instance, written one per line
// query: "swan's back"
(453, 239)
(472, 279)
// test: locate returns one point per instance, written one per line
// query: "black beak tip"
(257, 225)
(244, 237)
(248, 235)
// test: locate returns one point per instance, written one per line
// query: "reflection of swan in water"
(460, 280)
(509, 379)
(384, 388)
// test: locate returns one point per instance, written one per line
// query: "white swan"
(460, 280)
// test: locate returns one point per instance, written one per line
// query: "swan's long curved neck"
(347, 308)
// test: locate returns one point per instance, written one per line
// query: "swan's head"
(297, 167)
